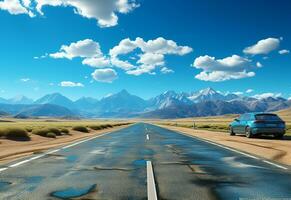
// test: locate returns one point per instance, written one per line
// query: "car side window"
(247, 117)
(242, 117)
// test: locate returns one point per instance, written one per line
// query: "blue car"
(254, 124)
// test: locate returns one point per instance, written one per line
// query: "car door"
(244, 123)
(237, 124)
(241, 123)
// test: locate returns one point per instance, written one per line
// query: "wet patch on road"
(149, 152)
(139, 163)
(33, 181)
(72, 158)
(75, 193)
(4, 185)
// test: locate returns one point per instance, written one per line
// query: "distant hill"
(20, 100)
(45, 110)
(56, 99)
(285, 114)
(121, 104)
(3, 114)
(169, 104)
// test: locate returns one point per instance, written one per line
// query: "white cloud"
(70, 84)
(125, 65)
(162, 46)
(125, 46)
(249, 90)
(266, 95)
(238, 93)
(258, 64)
(217, 76)
(103, 11)
(104, 75)
(152, 56)
(143, 69)
(232, 63)
(98, 62)
(233, 67)
(284, 51)
(151, 59)
(25, 79)
(83, 48)
(41, 57)
(16, 7)
(166, 70)
(264, 46)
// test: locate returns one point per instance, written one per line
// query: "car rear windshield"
(268, 117)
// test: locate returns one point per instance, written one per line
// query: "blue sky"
(182, 46)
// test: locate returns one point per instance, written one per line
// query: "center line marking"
(148, 137)
(152, 193)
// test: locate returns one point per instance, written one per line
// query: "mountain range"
(169, 104)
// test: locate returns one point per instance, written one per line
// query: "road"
(136, 162)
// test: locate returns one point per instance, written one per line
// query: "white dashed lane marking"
(151, 186)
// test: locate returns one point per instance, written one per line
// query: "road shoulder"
(12, 150)
(276, 150)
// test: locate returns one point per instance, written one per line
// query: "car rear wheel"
(248, 132)
(231, 131)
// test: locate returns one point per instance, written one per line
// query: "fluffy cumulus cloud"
(249, 90)
(152, 54)
(135, 57)
(83, 48)
(233, 67)
(284, 51)
(166, 70)
(103, 11)
(267, 95)
(70, 84)
(264, 46)
(258, 64)
(98, 62)
(104, 75)
(16, 7)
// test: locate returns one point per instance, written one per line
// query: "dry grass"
(14, 133)
(52, 127)
(218, 123)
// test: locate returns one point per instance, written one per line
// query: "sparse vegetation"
(82, 129)
(65, 131)
(58, 127)
(14, 133)
(51, 135)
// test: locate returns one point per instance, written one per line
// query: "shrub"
(81, 129)
(28, 129)
(41, 132)
(65, 130)
(15, 133)
(55, 131)
(95, 127)
(51, 135)
(204, 126)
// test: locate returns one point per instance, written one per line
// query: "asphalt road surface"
(144, 162)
